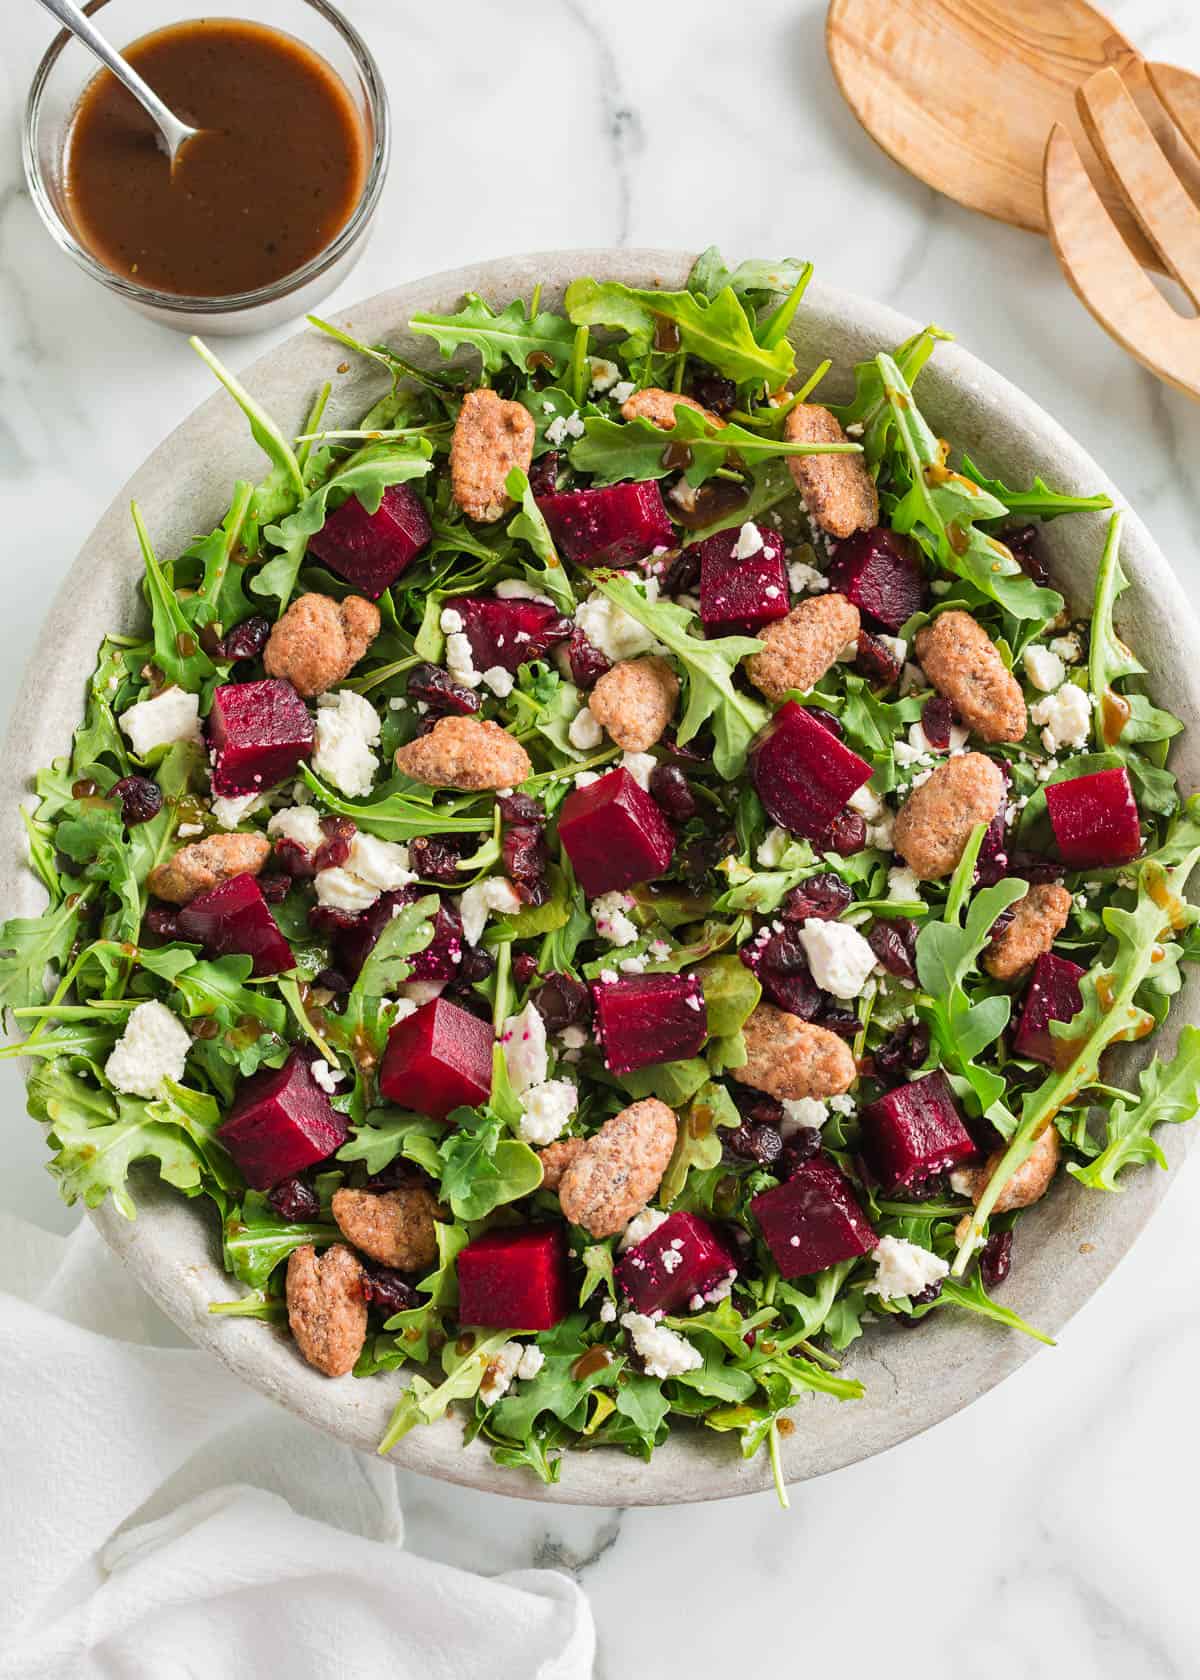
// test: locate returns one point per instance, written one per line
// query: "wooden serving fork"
(1094, 257)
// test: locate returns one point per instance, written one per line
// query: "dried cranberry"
(1031, 867)
(752, 1143)
(1024, 544)
(783, 972)
(670, 791)
(759, 1108)
(524, 967)
(247, 639)
(339, 833)
(682, 576)
(587, 663)
(274, 887)
(523, 849)
(163, 924)
(992, 863)
(438, 690)
(296, 1201)
(846, 834)
(1003, 921)
(844, 1022)
(715, 392)
(876, 661)
(520, 808)
(543, 473)
(332, 980)
(562, 1001)
(387, 1289)
(801, 1146)
(140, 799)
(937, 718)
(827, 720)
(894, 942)
(995, 1262)
(903, 1051)
(435, 859)
(927, 1295)
(821, 898)
(326, 918)
(477, 963)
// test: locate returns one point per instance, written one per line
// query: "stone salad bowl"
(1069, 1242)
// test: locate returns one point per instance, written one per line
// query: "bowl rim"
(149, 297)
(171, 1251)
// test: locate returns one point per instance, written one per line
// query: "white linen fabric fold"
(161, 1521)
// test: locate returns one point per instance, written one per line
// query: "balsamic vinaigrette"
(270, 182)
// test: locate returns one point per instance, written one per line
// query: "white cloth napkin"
(161, 1521)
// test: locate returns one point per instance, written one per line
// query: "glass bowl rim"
(181, 303)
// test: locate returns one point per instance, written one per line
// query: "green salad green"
(395, 891)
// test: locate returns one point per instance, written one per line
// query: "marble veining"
(1048, 1529)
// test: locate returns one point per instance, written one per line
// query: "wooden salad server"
(963, 94)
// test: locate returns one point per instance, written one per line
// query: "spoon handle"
(73, 18)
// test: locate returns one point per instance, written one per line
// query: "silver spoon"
(172, 132)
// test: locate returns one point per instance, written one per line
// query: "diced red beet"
(802, 773)
(681, 1258)
(1095, 819)
(737, 597)
(258, 732)
(881, 573)
(371, 550)
(437, 1060)
(649, 1018)
(508, 632)
(614, 834)
(1053, 995)
(281, 1122)
(614, 524)
(813, 1220)
(913, 1132)
(514, 1278)
(233, 919)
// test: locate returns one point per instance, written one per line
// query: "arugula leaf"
(1110, 660)
(1040, 502)
(613, 450)
(284, 487)
(31, 944)
(755, 280)
(367, 474)
(177, 651)
(508, 336)
(256, 1239)
(869, 407)
(409, 931)
(402, 810)
(1169, 1093)
(697, 1143)
(221, 594)
(717, 331)
(736, 718)
(386, 1134)
(1143, 947)
(528, 526)
(482, 1168)
(422, 1402)
(770, 484)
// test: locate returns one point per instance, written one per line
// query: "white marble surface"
(1048, 1530)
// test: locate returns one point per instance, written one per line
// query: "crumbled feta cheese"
(152, 1048)
(641, 1226)
(326, 1077)
(921, 744)
(1066, 717)
(749, 541)
(775, 842)
(532, 1360)
(866, 802)
(659, 949)
(622, 390)
(401, 1008)
(460, 661)
(640, 766)
(301, 824)
(338, 889)
(232, 809)
(451, 621)
(418, 992)
(546, 1109)
(517, 589)
(573, 1038)
(904, 1268)
(186, 831)
(585, 731)
(499, 681)
(372, 866)
(523, 1040)
(806, 579)
(633, 965)
(170, 716)
(1043, 667)
(608, 1311)
(397, 703)
(608, 627)
(500, 1371)
(585, 778)
(838, 955)
(347, 728)
(605, 374)
(843, 1104)
(802, 1114)
(563, 427)
(1068, 648)
(896, 645)
(612, 922)
(940, 586)
(495, 893)
(903, 885)
(882, 832)
(380, 863)
(906, 755)
(665, 1353)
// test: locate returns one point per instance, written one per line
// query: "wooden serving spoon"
(963, 94)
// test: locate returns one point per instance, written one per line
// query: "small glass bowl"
(67, 69)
